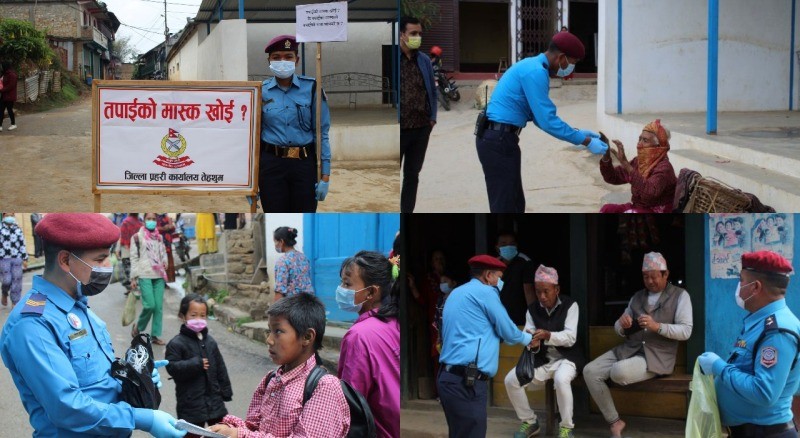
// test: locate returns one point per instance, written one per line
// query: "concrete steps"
(776, 189)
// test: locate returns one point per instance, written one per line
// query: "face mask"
(196, 325)
(346, 298)
(562, 72)
(499, 284)
(508, 252)
(10, 220)
(278, 249)
(98, 279)
(150, 225)
(414, 42)
(445, 288)
(282, 69)
(739, 301)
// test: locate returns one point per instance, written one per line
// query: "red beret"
(569, 44)
(766, 261)
(281, 43)
(486, 262)
(77, 230)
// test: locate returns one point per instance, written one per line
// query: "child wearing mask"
(202, 385)
(296, 324)
(149, 275)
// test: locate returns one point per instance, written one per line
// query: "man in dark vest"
(656, 318)
(553, 320)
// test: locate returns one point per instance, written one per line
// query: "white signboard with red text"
(185, 136)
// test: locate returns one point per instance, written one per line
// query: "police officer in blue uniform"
(59, 352)
(755, 386)
(522, 95)
(288, 167)
(474, 322)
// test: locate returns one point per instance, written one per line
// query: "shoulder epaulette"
(770, 323)
(34, 305)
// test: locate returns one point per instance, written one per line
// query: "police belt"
(461, 370)
(295, 152)
(503, 127)
(756, 430)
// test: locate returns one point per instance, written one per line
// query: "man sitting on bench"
(656, 318)
(556, 356)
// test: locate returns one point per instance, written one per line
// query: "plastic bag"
(118, 274)
(525, 367)
(129, 312)
(135, 372)
(703, 419)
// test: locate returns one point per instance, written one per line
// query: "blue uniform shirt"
(288, 118)
(474, 312)
(523, 94)
(59, 354)
(757, 386)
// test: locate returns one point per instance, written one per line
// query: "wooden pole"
(97, 203)
(319, 111)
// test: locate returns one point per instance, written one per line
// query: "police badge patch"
(769, 356)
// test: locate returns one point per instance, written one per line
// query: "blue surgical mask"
(562, 72)
(346, 298)
(445, 288)
(282, 69)
(499, 284)
(150, 225)
(508, 252)
(98, 279)
(278, 249)
(10, 220)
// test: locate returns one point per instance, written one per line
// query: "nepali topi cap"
(545, 274)
(569, 44)
(654, 261)
(486, 262)
(767, 262)
(77, 230)
(282, 43)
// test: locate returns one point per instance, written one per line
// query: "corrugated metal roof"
(283, 11)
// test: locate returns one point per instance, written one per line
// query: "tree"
(23, 45)
(425, 11)
(123, 49)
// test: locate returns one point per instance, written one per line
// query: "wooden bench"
(639, 397)
(353, 83)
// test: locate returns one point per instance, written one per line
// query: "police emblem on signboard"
(173, 145)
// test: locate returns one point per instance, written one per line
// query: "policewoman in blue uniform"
(288, 167)
(474, 322)
(756, 384)
(59, 352)
(522, 95)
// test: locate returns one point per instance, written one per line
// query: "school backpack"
(362, 422)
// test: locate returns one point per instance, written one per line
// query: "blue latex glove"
(587, 133)
(707, 361)
(596, 146)
(322, 190)
(156, 376)
(164, 426)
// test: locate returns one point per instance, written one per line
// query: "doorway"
(483, 35)
(583, 24)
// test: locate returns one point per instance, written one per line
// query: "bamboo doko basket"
(712, 196)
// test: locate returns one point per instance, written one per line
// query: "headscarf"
(649, 157)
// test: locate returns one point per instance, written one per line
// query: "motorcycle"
(448, 90)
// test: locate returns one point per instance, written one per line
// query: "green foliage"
(425, 11)
(23, 45)
(219, 296)
(243, 320)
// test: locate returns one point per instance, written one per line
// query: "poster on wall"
(732, 235)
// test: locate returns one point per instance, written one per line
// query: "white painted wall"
(665, 49)
(222, 55)
(183, 64)
(273, 221)
(362, 53)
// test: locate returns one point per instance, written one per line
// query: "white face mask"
(739, 301)
(282, 69)
(563, 72)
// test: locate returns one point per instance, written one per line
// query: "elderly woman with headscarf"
(650, 174)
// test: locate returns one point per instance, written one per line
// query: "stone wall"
(251, 298)
(58, 20)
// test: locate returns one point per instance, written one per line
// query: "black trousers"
(10, 107)
(502, 168)
(464, 408)
(755, 431)
(286, 185)
(413, 145)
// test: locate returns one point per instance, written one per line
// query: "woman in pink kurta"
(370, 351)
(650, 174)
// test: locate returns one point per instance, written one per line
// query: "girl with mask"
(202, 385)
(13, 258)
(370, 350)
(149, 275)
(292, 269)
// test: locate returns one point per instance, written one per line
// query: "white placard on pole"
(321, 22)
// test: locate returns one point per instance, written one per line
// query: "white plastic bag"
(703, 420)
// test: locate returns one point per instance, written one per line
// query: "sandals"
(158, 341)
(134, 331)
(5, 300)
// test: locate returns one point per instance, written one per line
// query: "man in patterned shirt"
(13, 258)
(297, 324)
